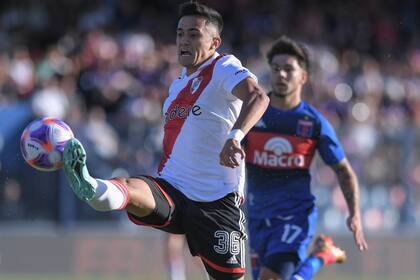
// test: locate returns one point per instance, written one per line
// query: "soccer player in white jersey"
(199, 188)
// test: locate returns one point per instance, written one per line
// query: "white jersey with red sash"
(199, 113)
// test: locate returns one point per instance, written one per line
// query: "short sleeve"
(231, 72)
(329, 147)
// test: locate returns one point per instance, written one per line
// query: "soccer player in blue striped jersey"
(279, 152)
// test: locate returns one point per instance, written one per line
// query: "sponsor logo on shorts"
(232, 260)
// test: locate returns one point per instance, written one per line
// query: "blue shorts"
(285, 234)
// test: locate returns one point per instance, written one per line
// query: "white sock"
(177, 268)
(110, 195)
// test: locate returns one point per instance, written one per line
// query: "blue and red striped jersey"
(279, 152)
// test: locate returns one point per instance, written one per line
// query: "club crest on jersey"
(195, 84)
(304, 128)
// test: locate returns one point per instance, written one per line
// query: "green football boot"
(74, 158)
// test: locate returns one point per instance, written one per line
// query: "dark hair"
(285, 45)
(196, 9)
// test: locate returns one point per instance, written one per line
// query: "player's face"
(287, 76)
(195, 42)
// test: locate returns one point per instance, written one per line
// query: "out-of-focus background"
(104, 67)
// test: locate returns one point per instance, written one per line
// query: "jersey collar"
(296, 108)
(210, 60)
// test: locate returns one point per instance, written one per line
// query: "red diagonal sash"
(181, 107)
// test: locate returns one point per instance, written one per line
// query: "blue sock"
(308, 268)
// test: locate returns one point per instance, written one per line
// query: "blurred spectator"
(12, 206)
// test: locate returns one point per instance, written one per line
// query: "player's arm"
(255, 102)
(350, 188)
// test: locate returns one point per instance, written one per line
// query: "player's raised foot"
(74, 158)
(325, 249)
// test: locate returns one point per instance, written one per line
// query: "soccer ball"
(42, 143)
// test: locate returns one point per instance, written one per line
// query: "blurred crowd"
(105, 66)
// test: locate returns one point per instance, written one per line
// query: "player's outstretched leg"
(102, 195)
(324, 252)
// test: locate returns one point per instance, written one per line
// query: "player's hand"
(354, 223)
(229, 154)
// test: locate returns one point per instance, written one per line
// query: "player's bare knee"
(132, 184)
(142, 202)
(136, 185)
